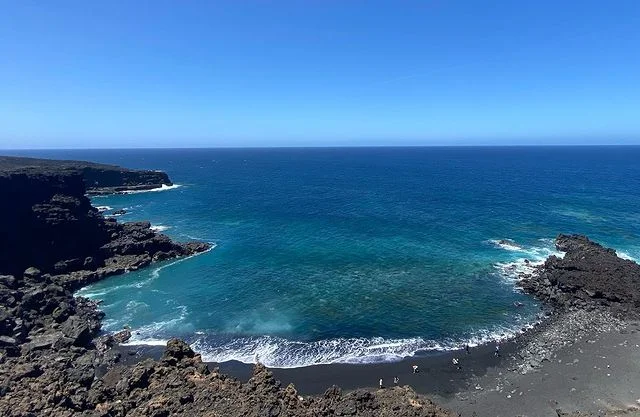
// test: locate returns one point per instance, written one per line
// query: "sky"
(110, 74)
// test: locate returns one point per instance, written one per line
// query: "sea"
(357, 255)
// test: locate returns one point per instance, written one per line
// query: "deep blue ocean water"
(357, 254)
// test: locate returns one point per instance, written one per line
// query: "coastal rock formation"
(181, 385)
(48, 223)
(97, 178)
(589, 275)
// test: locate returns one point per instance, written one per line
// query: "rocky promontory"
(588, 276)
(97, 178)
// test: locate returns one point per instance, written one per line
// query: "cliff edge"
(97, 178)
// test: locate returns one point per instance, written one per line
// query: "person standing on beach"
(466, 348)
(497, 352)
(380, 383)
(415, 369)
(396, 380)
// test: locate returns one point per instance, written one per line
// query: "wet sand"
(436, 372)
(598, 373)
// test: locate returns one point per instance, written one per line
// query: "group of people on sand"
(455, 361)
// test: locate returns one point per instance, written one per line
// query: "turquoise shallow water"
(357, 255)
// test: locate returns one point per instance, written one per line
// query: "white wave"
(201, 239)
(164, 187)
(104, 208)
(516, 269)
(145, 342)
(506, 244)
(148, 334)
(155, 273)
(625, 255)
(89, 292)
(160, 228)
(276, 352)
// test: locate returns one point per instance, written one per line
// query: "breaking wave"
(530, 257)
(278, 352)
(163, 187)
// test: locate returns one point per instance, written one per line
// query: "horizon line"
(331, 147)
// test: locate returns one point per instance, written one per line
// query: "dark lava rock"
(122, 336)
(32, 273)
(588, 274)
(77, 329)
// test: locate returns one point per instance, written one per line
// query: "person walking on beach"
(466, 348)
(415, 369)
(396, 380)
(497, 352)
(380, 383)
(456, 363)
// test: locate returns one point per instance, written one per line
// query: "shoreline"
(572, 340)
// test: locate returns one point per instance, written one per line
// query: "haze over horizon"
(254, 74)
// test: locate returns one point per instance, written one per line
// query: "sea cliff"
(97, 178)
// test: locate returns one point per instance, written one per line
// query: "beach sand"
(597, 372)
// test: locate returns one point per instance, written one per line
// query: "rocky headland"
(587, 277)
(97, 178)
(54, 361)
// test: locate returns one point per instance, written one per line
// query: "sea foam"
(277, 352)
(160, 228)
(535, 256)
(163, 187)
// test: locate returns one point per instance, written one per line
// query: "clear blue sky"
(318, 72)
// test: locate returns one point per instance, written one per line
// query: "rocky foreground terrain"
(55, 362)
(588, 277)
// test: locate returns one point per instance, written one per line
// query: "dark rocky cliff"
(48, 223)
(97, 178)
(45, 218)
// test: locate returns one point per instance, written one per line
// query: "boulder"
(6, 341)
(27, 370)
(32, 273)
(122, 336)
(45, 341)
(77, 329)
(176, 351)
(8, 281)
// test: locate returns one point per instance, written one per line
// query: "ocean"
(357, 255)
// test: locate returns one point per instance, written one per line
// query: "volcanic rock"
(587, 275)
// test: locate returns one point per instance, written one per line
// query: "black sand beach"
(595, 369)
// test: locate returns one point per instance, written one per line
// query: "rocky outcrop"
(179, 384)
(588, 276)
(49, 223)
(98, 178)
